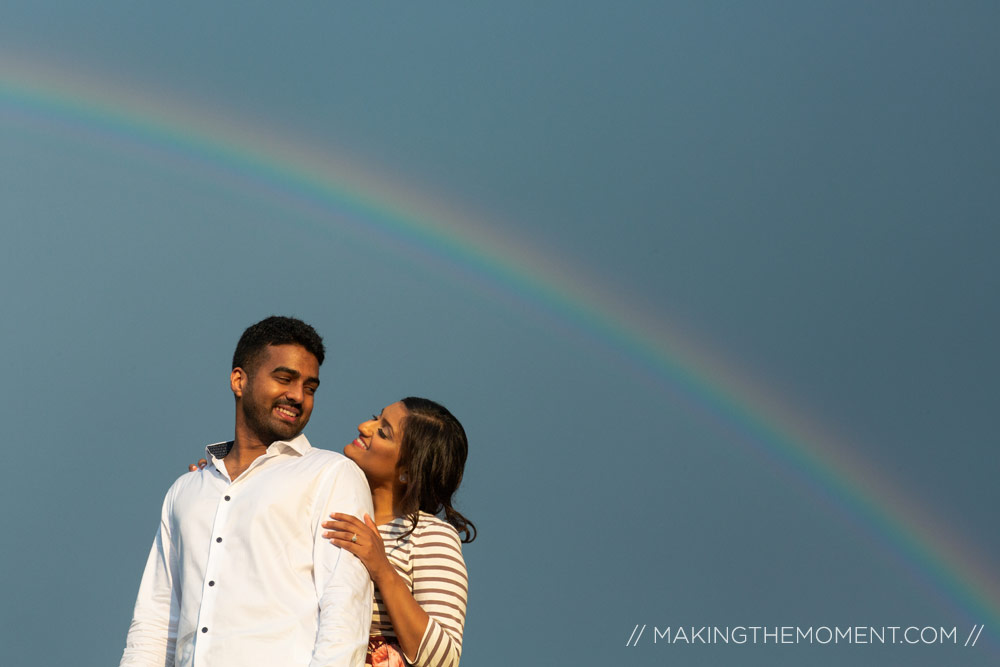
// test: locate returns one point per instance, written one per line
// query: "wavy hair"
(432, 452)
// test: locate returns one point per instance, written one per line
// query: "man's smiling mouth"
(287, 412)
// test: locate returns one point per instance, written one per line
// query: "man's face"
(276, 397)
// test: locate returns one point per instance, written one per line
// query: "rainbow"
(257, 160)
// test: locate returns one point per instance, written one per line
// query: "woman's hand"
(363, 540)
(409, 620)
(197, 466)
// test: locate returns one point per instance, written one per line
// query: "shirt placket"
(218, 556)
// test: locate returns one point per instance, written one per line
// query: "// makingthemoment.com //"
(792, 634)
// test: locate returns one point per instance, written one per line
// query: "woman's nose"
(367, 427)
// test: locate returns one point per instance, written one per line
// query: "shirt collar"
(219, 450)
(299, 444)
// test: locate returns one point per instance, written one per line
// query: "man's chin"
(285, 432)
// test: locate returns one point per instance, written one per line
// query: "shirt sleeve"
(441, 587)
(343, 586)
(152, 635)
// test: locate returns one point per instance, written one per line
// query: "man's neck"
(245, 450)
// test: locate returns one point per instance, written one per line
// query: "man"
(239, 573)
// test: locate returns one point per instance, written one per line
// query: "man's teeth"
(287, 412)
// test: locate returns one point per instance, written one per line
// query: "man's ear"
(237, 381)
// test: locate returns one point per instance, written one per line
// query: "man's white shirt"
(240, 575)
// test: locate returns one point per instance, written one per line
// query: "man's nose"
(295, 392)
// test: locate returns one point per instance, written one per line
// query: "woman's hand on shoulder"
(362, 539)
(197, 466)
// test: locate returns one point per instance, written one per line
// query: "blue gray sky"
(807, 191)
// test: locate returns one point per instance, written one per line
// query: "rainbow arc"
(343, 193)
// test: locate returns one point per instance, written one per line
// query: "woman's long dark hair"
(432, 454)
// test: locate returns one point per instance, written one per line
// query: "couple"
(266, 555)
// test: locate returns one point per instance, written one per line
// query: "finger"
(347, 545)
(347, 520)
(347, 541)
(370, 523)
(345, 535)
(337, 535)
(338, 525)
(202, 463)
(192, 467)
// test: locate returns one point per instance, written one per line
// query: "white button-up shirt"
(240, 575)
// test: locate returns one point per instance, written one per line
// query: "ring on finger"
(354, 538)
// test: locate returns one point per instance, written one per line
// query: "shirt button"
(227, 497)
(204, 629)
(211, 583)
(218, 539)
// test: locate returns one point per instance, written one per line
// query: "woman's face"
(376, 449)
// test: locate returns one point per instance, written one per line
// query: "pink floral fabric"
(384, 653)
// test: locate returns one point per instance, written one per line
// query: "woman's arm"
(429, 621)
(440, 586)
(409, 620)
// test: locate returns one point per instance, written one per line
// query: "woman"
(413, 455)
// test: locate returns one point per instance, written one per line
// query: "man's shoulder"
(329, 462)
(216, 449)
(325, 457)
(185, 483)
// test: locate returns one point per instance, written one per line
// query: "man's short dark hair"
(276, 330)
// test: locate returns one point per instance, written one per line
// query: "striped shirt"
(430, 561)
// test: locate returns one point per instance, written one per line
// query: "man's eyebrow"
(294, 373)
